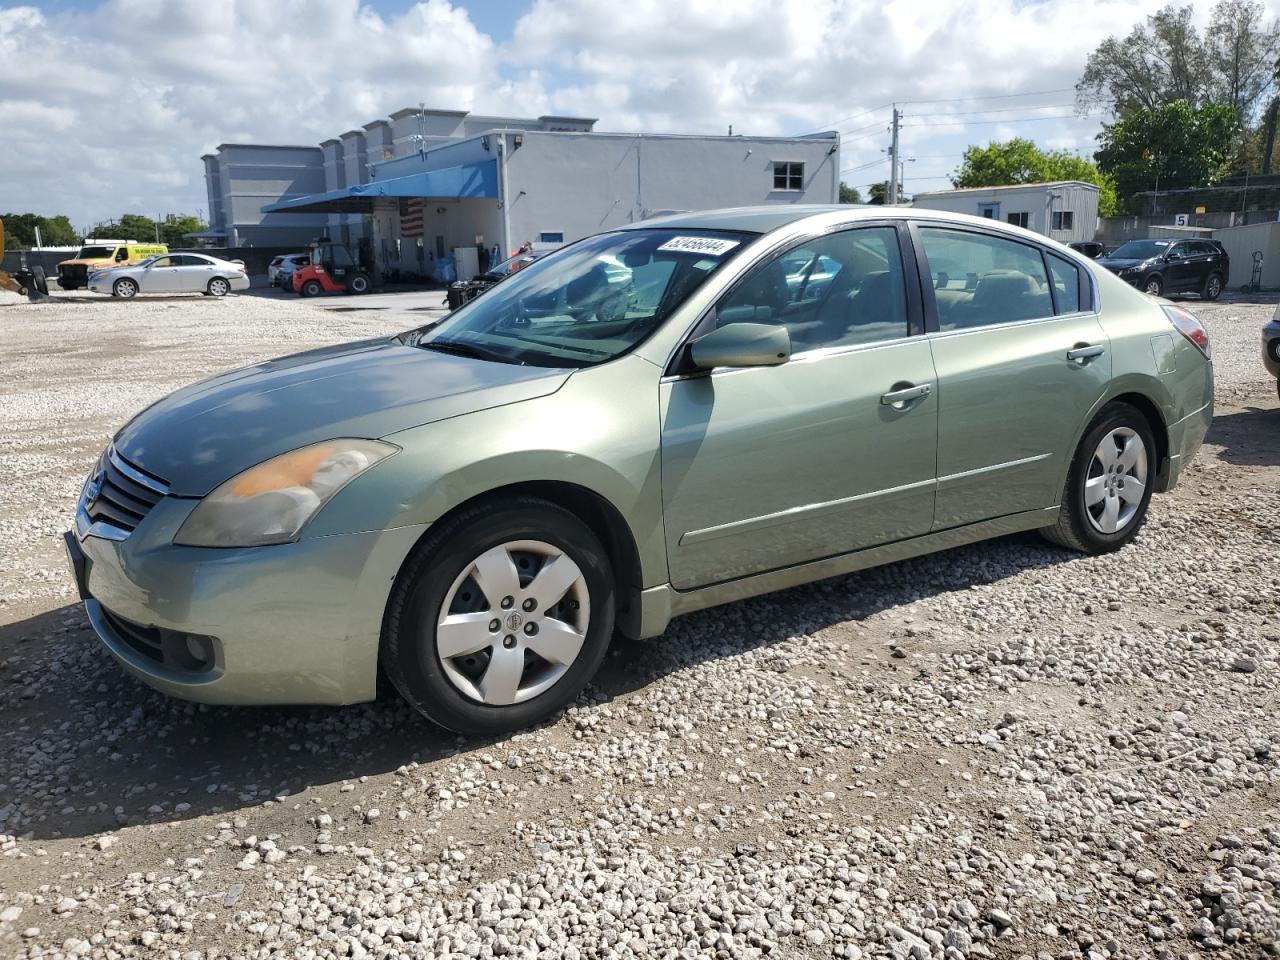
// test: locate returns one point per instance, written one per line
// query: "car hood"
(206, 433)
(1111, 263)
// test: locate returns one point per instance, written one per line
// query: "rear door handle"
(905, 394)
(1084, 354)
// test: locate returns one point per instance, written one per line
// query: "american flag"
(410, 218)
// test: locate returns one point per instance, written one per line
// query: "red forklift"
(332, 270)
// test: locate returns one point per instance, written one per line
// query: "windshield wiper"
(460, 349)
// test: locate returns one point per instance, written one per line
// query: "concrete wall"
(246, 177)
(1241, 242)
(580, 184)
(1033, 200)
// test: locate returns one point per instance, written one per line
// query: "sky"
(107, 105)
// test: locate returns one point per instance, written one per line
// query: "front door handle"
(1085, 352)
(902, 395)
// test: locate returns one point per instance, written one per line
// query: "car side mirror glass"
(742, 345)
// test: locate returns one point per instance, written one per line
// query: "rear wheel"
(312, 288)
(1153, 285)
(124, 288)
(1212, 288)
(1109, 483)
(359, 283)
(500, 617)
(219, 287)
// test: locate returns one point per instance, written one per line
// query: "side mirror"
(742, 345)
(1173, 255)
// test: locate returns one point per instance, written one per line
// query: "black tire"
(311, 288)
(408, 652)
(1074, 529)
(1212, 288)
(40, 280)
(124, 288)
(359, 284)
(1153, 285)
(218, 287)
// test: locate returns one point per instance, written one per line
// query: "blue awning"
(448, 183)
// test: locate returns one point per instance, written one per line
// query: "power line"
(1023, 106)
(977, 123)
(995, 96)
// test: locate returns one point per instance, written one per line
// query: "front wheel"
(1109, 483)
(312, 288)
(1153, 285)
(1212, 287)
(124, 288)
(500, 617)
(219, 287)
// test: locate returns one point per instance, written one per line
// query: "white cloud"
(108, 110)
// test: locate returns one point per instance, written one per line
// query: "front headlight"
(272, 502)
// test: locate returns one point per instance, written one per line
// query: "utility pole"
(891, 196)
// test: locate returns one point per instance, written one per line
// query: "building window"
(551, 237)
(1018, 219)
(989, 210)
(788, 176)
(1063, 219)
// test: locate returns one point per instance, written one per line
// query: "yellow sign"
(1199, 209)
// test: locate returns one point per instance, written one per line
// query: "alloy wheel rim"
(1116, 481)
(126, 288)
(513, 622)
(1153, 287)
(1215, 286)
(219, 288)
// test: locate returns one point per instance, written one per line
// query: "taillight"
(1189, 327)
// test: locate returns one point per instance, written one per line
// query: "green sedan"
(651, 421)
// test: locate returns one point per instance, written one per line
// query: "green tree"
(1172, 146)
(879, 193)
(1021, 161)
(1161, 59)
(1240, 54)
(849, 194)
(20, 230)
(176, 226)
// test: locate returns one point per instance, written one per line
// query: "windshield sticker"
(711, 246)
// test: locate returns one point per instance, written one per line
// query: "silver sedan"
(172, 273)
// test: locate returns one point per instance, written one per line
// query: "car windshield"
(589, 302)
(1140, 249)
(95, 253)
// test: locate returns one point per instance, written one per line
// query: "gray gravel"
(1001, 751)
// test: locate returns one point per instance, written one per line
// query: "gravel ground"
(1005, 750)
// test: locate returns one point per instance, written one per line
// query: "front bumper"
(287, 624)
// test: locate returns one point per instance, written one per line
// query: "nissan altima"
(649, 421)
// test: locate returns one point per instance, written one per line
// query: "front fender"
(599, 432)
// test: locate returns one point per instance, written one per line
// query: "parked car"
(1161, 266)
(475, 506)
(173, 273)
(280, 269)
(1271, 347)
(1090, 248)
(462, 291)
(103, 254)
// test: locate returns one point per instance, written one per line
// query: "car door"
(830, 452)
(192, 273)
(1021, 360)
(159, 276)
(1180, 269)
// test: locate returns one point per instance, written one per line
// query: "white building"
(1064, 210)
(425, 184)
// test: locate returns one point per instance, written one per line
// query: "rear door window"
(1066, 284)
(980, 280)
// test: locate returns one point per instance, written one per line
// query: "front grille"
(189, 653)
(126, 493)
(144, 640)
